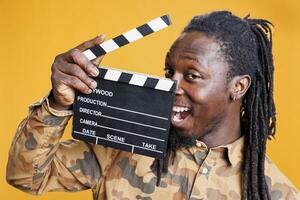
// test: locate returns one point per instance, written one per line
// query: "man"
(222, 116)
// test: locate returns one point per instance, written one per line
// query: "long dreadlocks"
(246, 45)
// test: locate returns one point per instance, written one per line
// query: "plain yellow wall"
(34, 31)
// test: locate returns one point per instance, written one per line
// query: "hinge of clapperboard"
(132, 35)
(128, 37)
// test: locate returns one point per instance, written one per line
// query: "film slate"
(127, 111)
(132, 35)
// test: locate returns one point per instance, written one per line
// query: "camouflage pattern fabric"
(39, 163)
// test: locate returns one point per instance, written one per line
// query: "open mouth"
(179, 114)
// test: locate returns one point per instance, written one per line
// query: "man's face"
(202, 96)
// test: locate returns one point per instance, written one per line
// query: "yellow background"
(34, 31)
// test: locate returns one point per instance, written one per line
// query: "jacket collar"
(232, 152)
(235, 151)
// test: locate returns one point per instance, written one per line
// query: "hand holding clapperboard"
(127, 110)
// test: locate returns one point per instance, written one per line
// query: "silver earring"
(233, 98)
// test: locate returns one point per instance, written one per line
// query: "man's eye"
(192, 77)
(169, 72)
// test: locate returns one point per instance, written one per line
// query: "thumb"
(90, 43)
(98, 60)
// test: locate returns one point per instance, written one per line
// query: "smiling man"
(222, 116)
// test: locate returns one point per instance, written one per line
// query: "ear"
(238, 87)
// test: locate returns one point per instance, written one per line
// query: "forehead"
(195, 42)
(196, 46)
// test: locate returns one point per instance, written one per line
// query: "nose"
(177, 77)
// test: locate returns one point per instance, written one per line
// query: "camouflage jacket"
(39, 162)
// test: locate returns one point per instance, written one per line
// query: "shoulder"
(279, 185)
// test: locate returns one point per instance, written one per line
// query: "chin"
(191, 134)
(178, 138)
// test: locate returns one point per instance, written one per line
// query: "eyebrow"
(186, 57)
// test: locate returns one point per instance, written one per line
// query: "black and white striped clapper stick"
(128, 37)
(128, 111)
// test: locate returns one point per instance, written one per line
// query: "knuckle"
(53, 67)
(78, 58)
(86, 68)
(77, 71)
(84, 88)
(74, 69)
(54, 83)
(81, 86)
(74, 81)
(57, 57)
(84, 44)
(74, 52)
(89, 67)
(82, 76)
(77, 51)
(55, 63)
(53, 74)
(54, 78)
(58, 63)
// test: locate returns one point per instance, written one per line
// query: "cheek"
(208, 102)
(199, 94)
(207, 115)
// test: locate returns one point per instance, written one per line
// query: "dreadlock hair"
(246, 45)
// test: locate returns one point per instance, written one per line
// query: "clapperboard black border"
(128, 37)
(134, 80)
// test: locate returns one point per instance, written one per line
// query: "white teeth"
(179, 109)
(177, 117)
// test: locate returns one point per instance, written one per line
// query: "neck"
(226, 132)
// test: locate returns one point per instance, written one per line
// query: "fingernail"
(94, 71)
(102, 36)
(93, 84)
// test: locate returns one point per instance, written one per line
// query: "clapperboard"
(128, 111)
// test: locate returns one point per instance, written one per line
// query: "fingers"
(72, 70)
(78, 58)
(71, 81)
(75, 70)
(73, 67)
(90, 43)
(75, 55)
